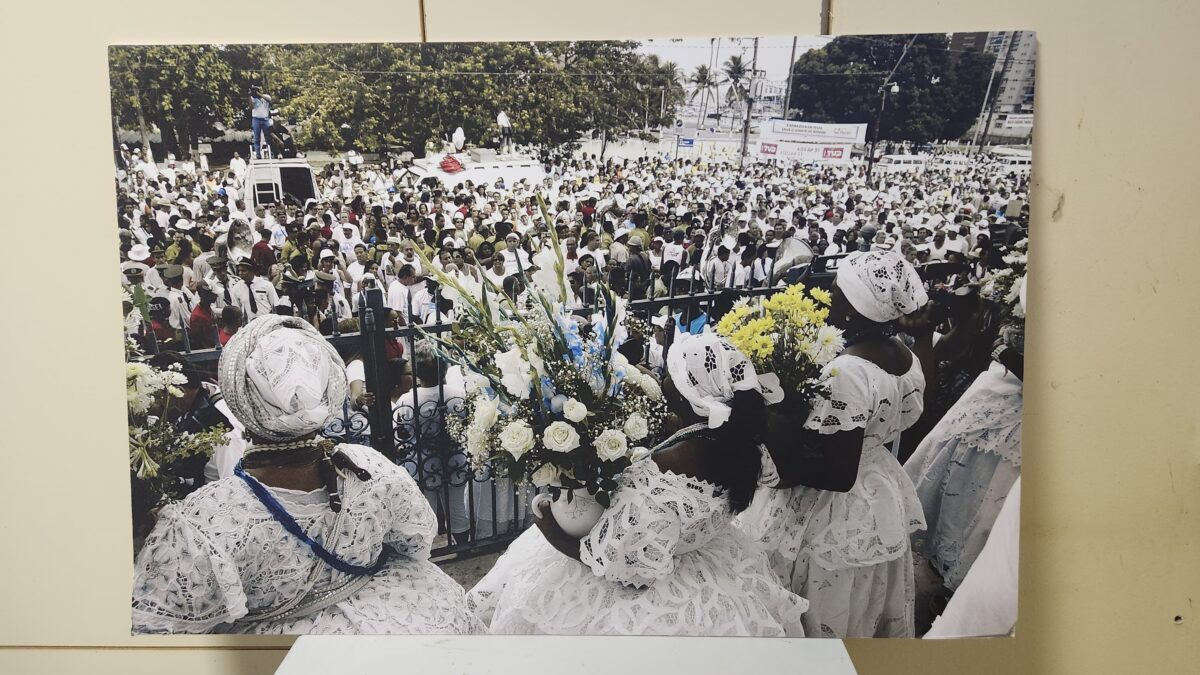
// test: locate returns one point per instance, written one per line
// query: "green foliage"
(184, 90)
(371, 95)
(941, 91)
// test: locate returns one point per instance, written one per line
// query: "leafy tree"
(373, 95)
(184, 90)
(940, 90)
(704, 85)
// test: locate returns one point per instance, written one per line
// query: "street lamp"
(884, 90)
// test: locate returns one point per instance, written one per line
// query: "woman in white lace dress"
(306, 537)
(963, 470)
(840, 535)
(664, 558)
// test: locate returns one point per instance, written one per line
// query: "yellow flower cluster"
(797, 309)
(754, 338)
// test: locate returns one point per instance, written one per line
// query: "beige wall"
(1111, 540)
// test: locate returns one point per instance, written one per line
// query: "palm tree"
(737, 73)
(703, 82)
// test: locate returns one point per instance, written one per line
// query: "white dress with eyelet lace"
(219, 556)
(848, 552)
(662, 560)
(963, 471)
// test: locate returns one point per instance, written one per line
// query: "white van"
(951, 163)
(1015, 164)
(274, 181)
(903, 163)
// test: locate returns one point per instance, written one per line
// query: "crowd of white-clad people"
(934, 472)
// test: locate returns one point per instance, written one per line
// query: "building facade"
(1015, 89)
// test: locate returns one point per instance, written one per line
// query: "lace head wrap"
(707, 370)
(281, 379)
(881, 285)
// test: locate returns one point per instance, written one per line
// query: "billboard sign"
(820, 153)
(812, 132)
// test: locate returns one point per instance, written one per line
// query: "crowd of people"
(914, 451)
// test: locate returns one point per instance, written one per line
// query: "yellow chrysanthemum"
(821, 295)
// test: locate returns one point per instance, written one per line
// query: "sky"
(774, 53)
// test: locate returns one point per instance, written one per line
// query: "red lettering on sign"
(769, 148)
(832, 153)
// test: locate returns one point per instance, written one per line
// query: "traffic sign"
(678, 123)
(687, 142)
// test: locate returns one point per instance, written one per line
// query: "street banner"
(812, 132)
(819, 153)
(1015, 121)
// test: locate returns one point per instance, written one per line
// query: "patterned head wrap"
(281, 378)
(707, 370)
(881, 285)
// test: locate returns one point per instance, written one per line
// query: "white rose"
(574, 410)
(545, 475)
(611, 445)
(560, 437)
(638, 454)
(487, 412)
(514, 372)
(517, 438)
(650, 386)
(636, 427)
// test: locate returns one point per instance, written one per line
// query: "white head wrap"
(281, 378)
(707, 370)
(881, 285)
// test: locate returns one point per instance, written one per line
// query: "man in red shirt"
(262, 256)
(202, 326)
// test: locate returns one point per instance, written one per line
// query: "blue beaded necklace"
(289, 523)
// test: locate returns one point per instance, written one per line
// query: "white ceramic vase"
(578, 516)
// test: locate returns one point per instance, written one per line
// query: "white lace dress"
(218, 559)
(964, 469)
(848, 552)
(662, 560)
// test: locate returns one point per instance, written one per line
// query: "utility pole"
(983, 107)
(1012, 44)
(749, 106)
(883, 92)
(787, 96)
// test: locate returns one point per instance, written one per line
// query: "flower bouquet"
(157, 449)
(1003, 286)
(549, 399)
(786, 338)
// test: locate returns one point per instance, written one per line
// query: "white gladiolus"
(517, 438)
(560, 437)
(574, 410)
(514, 370)
(475, 382)
(636, 427)
(611, 445)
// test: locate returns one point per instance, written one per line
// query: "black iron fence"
(477, 510)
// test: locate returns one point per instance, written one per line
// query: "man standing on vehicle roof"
(260, 117)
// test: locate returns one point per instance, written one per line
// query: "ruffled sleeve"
(634, 543)
(411, 523)
(849, 402)
(183, 582)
